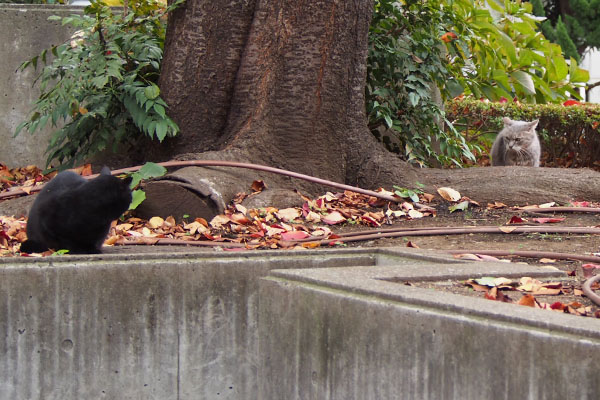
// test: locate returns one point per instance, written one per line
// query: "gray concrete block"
(359, 333)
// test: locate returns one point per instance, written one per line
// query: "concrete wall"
(328, 324)
(162, 326)
(25, 32)
(362, 334)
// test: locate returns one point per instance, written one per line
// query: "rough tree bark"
(281, 83)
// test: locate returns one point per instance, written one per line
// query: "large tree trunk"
(281, 83)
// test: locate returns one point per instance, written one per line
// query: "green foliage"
(405, 63)
(148, 171)
(412, 194)
(458, 47)
(99, 89)
(570, 135)
(501, 53)
(565, 42)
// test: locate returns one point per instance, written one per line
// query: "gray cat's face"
(517, 141)
(521, 144)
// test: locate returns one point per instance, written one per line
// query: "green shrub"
(570, 135)
(98, 90)
(405, 66)
(490, 50)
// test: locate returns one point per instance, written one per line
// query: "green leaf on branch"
(138, 196)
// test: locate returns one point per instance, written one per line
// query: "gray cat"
(517, 144)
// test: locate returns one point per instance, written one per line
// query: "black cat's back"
(74, 213)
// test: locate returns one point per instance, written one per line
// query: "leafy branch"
(98, 90)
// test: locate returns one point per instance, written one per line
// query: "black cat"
(74, 213)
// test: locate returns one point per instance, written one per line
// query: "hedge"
(569, 132)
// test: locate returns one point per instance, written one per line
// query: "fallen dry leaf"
(156, 222)
(333, 218)
(288, 214)
(449, 194)
(547, 220)
(527, 300)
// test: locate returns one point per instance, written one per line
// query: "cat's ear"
(127, 180)
(105, 171)
(507, 121)
(533, 124)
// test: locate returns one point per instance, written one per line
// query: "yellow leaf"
(155, 222)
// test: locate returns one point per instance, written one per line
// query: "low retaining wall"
(361, 333)
(328, 324)
(160, 326)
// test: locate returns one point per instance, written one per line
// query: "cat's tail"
(32, 246)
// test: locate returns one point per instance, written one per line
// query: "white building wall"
(591, 62)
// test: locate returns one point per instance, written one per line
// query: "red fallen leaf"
(557, 305)
(581, 204)
(240, 219)
(527, 300)
(595, 124)
(258, 234)
(369, 220)
(294, 235)
(258, 186)
(589, 270)
(571, 103)
(548, 220)
(411, 244)
(516, 220)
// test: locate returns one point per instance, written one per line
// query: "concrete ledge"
(359, 333)
(163, 325)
